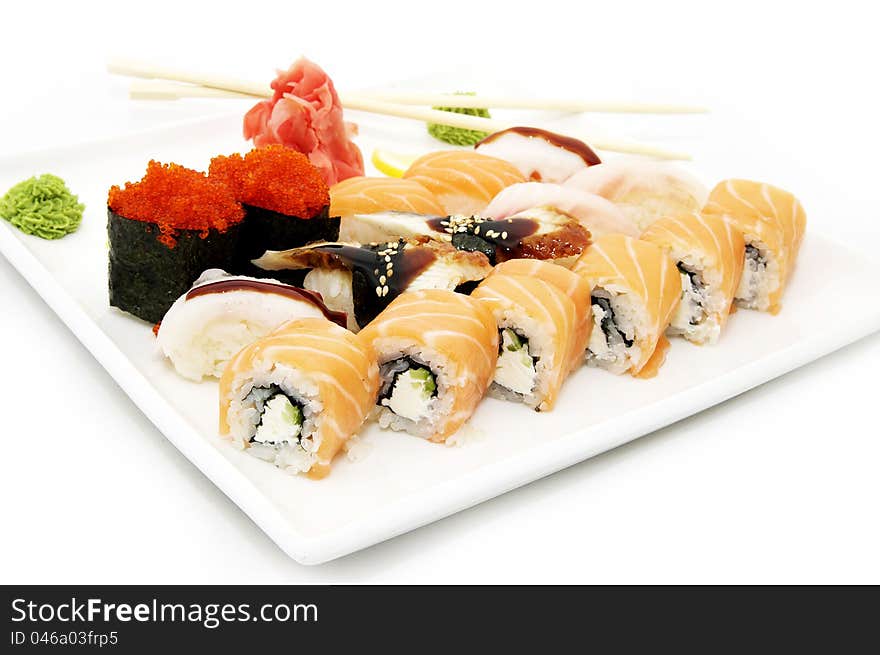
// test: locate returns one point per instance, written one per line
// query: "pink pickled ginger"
(305, 114)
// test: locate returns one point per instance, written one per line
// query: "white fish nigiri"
(222, 314)
(595, 213)
(541, 156)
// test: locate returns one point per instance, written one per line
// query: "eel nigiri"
(366, 195)
(537, 327)
(595, 213)
(643, 190)
(539, 233)
(362, 280)
(708, 253)
(773, 222)
(636, 290)
(541, 156)
(436, 351)
(463, 181)
(296, 396)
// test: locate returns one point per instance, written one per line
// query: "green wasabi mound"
(42, 206)
(458, 136)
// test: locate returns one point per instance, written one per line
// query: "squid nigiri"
(636, 290)
(595, 213)
(708, 253)
(644, 191)
(541, 156)
(773, 222)
(463, 181)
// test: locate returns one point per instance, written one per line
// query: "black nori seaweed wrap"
(146, 276)
(264, 229)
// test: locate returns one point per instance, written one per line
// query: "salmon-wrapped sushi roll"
(437, 351)
(635, 292)
(295, 397)
(575, 287)
(463, 181)
(538, 326)
(773, 223)
(708, 253)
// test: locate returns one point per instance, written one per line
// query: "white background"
(778, 485)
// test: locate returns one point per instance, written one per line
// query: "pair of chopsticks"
(167, 83)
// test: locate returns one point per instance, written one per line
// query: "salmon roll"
(708, 253)
(635, 293)
(295, 397)
(773, 222)
(537, 327)
(437, 352)
(463, 181)
(575, 287)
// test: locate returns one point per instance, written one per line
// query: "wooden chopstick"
(223, 86)
(520, 102)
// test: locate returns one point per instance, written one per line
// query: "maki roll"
(362, 280)
(773, 223)
(223, 313)
(538, 233)
(575, 287)
(708, 253)
(285, 199)
(538, 328)
(635, 292)
(437, 351)
(164, 231)
(296, 396)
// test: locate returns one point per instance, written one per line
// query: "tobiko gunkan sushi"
(285, 199)
(164, 231)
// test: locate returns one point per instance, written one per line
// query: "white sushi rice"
(760, 276)
(334, 285)
(696, 318)
(244, 416)
(436, 410)
(541, 345)
(631, 319)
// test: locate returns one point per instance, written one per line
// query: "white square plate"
(403, 482)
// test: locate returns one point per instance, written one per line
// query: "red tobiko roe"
(176, 198)
(276, 178)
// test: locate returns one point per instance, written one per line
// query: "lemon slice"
(392, 164)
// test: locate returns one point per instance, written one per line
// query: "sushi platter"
(426, 357)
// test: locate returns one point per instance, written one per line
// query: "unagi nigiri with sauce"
(361, 280)
(539, 233)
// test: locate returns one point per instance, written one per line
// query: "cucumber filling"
(281, 418)
(408, 388)
(515, 369)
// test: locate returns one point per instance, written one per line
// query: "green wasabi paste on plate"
(459, 136)
(42, 206)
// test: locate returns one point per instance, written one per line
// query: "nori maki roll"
(164, 232)
(285, 199)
